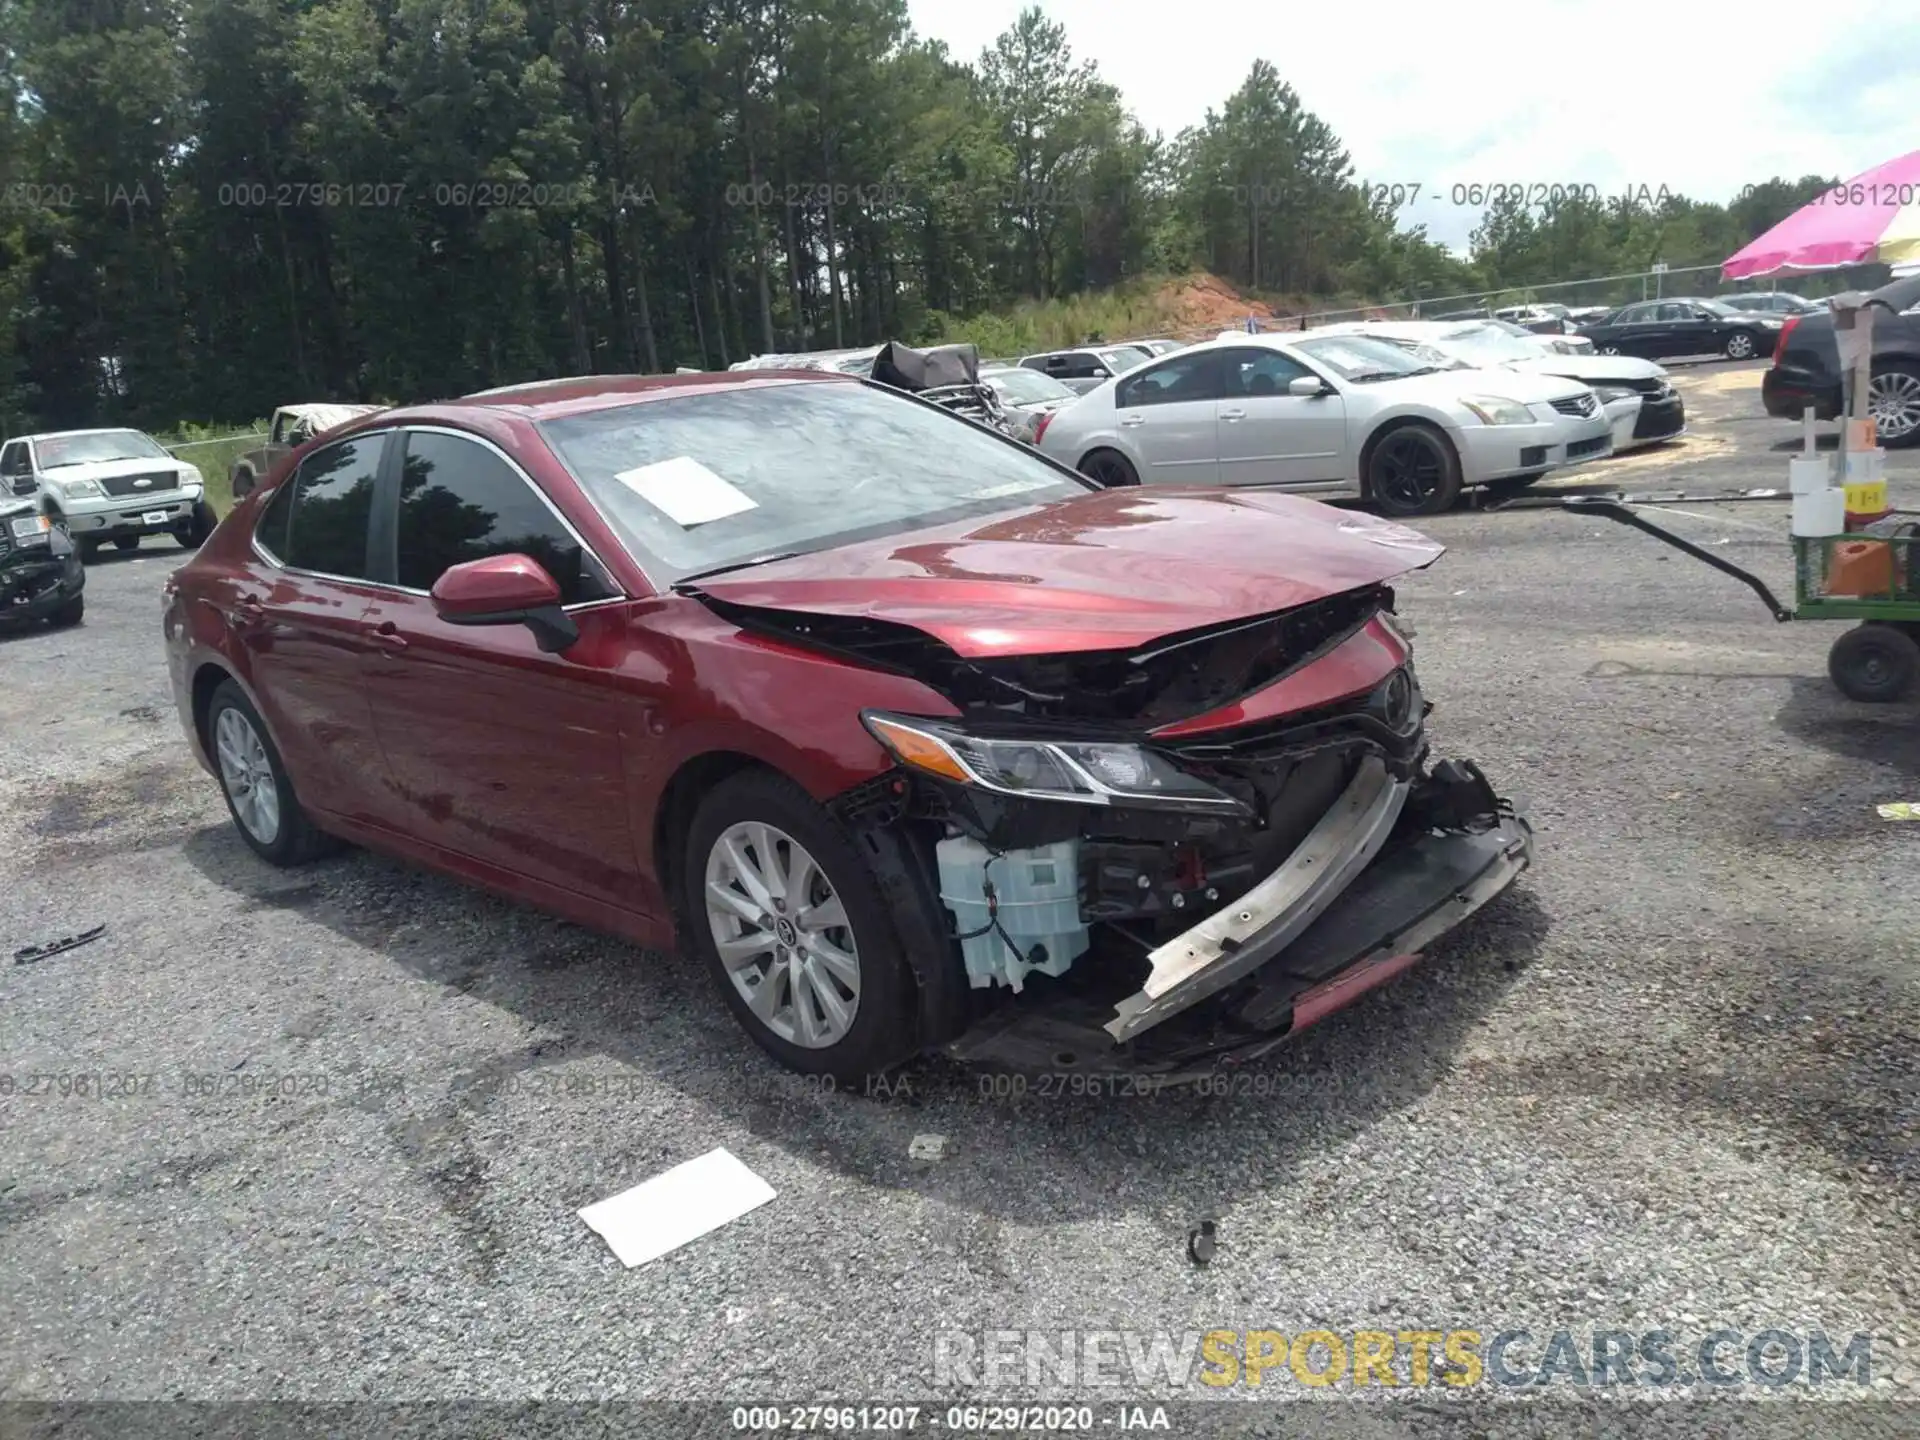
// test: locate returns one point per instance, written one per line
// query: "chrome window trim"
(267, 555)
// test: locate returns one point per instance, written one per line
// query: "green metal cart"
(1879, 659)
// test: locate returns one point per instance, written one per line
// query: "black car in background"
(1685, 325)
(1806, 371)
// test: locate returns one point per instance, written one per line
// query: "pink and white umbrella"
(1873, 217)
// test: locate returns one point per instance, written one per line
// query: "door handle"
(1127, 422)
(1233, 414)
(388, 637)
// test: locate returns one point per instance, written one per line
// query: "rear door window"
(1191, 375)
(329, 503)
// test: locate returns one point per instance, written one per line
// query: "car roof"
(580, 394)
(96, 430)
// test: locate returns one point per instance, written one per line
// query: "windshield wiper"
(747, 564)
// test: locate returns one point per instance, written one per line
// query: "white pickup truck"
(118, 485)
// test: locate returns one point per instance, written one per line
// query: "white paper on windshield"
(685, 491)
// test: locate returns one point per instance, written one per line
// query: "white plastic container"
(1809, 475)
(1864, 467)
(1037, 901)
(1822, 513)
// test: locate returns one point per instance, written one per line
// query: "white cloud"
(1698, 98)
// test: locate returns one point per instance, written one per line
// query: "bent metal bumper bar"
(1236, 941)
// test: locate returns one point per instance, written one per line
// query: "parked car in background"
(1081, 369)
(1641, 404)
(1566, 343)
(1326, 414)
(1582, 315)
(1158, 347)
(1806, 372)
(292, 427)
(1773, 302)
(1657, 329)
(890, 724)
(41, 574)
(1030, 397)
(101, 485)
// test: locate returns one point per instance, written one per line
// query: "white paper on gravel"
(664, 1213)
(685, 491)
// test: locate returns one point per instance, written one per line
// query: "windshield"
(58, 450)
(1361, 358)
(1492, 346)
(702, 481)
(1123, 357)
(1027, 387)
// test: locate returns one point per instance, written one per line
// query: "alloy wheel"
(1893, 400)
(1108, 471)
(1407, 470)
(782, 935)
(1739, 345)
(247, 774)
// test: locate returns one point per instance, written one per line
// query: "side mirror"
(506, 590)
(1309, 387)
(1100, 372)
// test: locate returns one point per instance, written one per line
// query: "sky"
(1700, 98)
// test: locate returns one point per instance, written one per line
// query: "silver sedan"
(1336, 415)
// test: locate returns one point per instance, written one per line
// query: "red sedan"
(915, 737)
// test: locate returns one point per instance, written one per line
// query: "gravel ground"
(1669, 1081)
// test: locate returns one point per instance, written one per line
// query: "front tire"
(1874, 664)
(1893, 400)
(790, 923)
(254, 780)
(1109, 469)
(124, 543)
(1740, 345)
(68, 614)
(1412, 470)
(200, 523)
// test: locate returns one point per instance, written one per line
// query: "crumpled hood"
(1592, 369)
(1110, 570)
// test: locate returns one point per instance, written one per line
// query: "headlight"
(80, 489)
(1497, 410)
(1081, 772)
(1610, 393)
(191, 478)
(32, 530)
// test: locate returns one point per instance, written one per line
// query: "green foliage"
(214, 207)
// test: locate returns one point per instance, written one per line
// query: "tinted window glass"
(1633, 314)
(332, 502)
(272, 529)
(13, 459)
(459, 501)
(1260, 372)
(1192, 375)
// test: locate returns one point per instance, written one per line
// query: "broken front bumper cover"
(1384, 874)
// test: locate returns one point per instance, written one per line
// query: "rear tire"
(241, 483)
(1108, 469)
(69, 614)
(1874, 664)
(1741, 346)
(1411, 470)
(755, 810)
(254, 780)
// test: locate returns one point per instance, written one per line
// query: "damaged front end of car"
(1160, 859)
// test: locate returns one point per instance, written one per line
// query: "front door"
(1270, 437)
(499, 750)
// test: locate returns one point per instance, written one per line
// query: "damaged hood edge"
(1111, 570)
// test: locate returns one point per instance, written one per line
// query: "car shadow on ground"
(1042, 1154)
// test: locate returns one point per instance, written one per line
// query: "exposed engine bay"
(1151, 889)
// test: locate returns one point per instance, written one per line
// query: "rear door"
(499, 751)
(1688, 330)
(1635, 330)
(1269, 437)
(1167, 413)
(298, 610)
